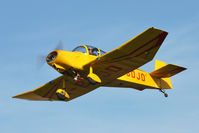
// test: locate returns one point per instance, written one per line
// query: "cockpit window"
(94, 51)
(91, 50)
(80, 49)
(102, 52)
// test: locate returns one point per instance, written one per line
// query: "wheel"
(165, 94)
(60, 96)
(91, 81)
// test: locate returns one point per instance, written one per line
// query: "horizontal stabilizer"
(167, 71)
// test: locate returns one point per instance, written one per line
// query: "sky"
(32, 28)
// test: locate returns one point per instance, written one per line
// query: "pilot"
(90, 50)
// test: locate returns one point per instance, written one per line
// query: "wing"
(47, 92)
(129, 56)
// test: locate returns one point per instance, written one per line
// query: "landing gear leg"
(93, 78)
(163, 91)
(61, 93)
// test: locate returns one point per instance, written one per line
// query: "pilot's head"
(90, 51)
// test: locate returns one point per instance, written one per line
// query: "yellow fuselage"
(138, 79)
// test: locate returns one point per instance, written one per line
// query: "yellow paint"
(148, 81)
(159, 64)
(63, 92)
(140, 77)
(145, 79)
(113, 69)
(76, 60)
(94, 76)
(165, 83)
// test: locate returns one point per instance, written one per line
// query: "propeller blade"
(41, 59)
(59, 46)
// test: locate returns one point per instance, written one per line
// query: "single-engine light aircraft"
(87, 68)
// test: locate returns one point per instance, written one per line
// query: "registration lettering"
(136, 75)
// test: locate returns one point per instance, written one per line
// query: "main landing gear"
(163, 91)
(93, 78)
(91, 81)
(61, 93)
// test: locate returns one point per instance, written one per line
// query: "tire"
(91, 81)
(60, 96)
(166, 95)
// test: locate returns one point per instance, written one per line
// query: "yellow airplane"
(87, 68)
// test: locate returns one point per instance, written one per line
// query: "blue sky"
(32, 28)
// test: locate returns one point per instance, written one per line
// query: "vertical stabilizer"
(159, 64)
(165, 83)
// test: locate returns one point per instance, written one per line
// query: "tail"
(164, 71)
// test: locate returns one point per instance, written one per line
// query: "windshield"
(94, 51)
(102, 52)
(91, 50)
(80, 49)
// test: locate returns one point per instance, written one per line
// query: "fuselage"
(65, 62)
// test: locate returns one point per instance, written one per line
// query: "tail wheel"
(163, 91)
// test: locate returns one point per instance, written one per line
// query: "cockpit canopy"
(90, 50)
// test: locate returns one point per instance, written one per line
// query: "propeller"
(59, 46)
(41, 59)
